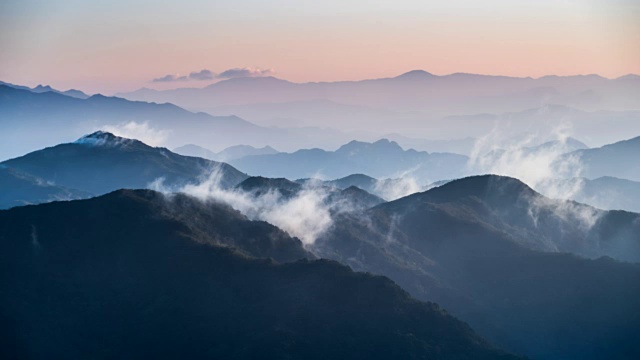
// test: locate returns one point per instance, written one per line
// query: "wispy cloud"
(205, 74)
(245, 72)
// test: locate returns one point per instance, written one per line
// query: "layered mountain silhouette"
(618, 160)
(383, 159)
(348, 199)
(388, 189)
(46, 88)
(230, 153)
(414, 90)
(19, 188)
(607, 192)
(504, 258)
(137, 274)
(102, 162)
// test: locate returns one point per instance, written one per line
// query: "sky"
(122, 45)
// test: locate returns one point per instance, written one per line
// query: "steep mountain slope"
(130, 274)
(493, 251)
(382, 159)
(19, 189)
(619, 159)
(101, 162)
(608, 193)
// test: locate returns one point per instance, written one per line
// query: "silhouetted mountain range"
(230, 153)
(101, 162)
(19, 188)
(383, 158)
(46, 88)
(619, 159)
(136, 274)
(495, 253)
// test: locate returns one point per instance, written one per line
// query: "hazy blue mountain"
(101, 162)
(414, 104)
(230, 153)
(34, 120)
(19, 188)
(46, 88)
(608, 193)
(383, 159)
(135, 274)
(619, 160)
(388, 189)
(496, 254)
(415, 90)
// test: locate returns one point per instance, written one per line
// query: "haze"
(112, 46)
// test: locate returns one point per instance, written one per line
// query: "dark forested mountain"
(496, 253)
(619, 160)
(382, 159)
(135, 274)
(101, 162)
(19, 188)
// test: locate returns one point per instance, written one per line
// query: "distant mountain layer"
(618, 160)
(46, 88)
(608, 193)
(412, 91)
(19, 188)
(383, 159)
(101, 162)
(497, 254)
(136, 274)
(230, 153)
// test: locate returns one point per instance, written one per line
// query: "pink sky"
(123, 45)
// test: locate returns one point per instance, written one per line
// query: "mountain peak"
(102, 138)
(415, 74)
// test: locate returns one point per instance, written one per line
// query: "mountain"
(388, 189)
(415, 103)
(46, 88)
(618, 160)
(498, 255)
(19, 189)
(102, 162)
(137, 274)
(382, 158)
(412, 91)
(34, 120)
(347, 199)
(608, 193)
(230, 153)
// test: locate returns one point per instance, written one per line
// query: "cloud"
(203, 74)
(141, 131)
(245, 72)
(170, 78)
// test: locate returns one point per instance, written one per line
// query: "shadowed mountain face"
(46, 88)
(494, 252)
(132, 274)
(101, 162)
(382, 158)
(618, 160)
(19, 189)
